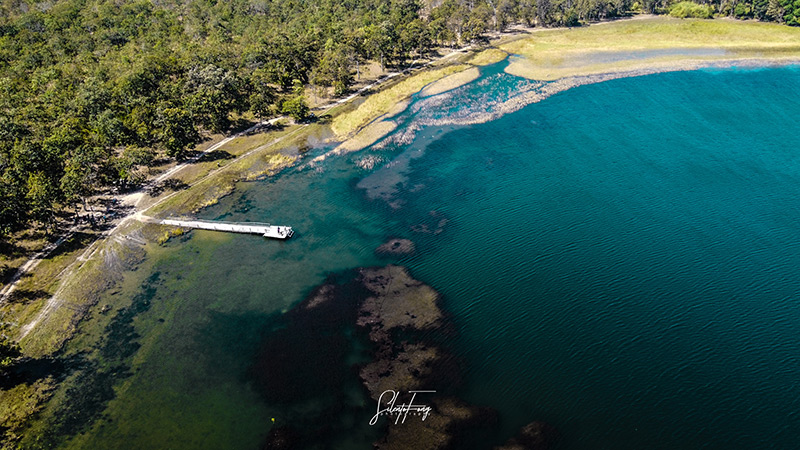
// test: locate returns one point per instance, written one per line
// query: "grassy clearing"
(78, 294)
(379, 103)
(223, 156)
(555, 54)
(264, 159)
(36, 287)
(16, 250)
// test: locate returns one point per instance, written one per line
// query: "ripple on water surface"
(633, 268)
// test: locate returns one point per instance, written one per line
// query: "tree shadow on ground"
(7, 273)
(216, 155)
(277, 126)
(31, 370)
(160, 162)
(25, 296)
(170, 184)
(11, 249)
(240, 125)
(324, 119)
(78, 240)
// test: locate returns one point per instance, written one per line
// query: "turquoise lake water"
(621, 260)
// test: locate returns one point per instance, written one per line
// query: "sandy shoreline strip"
(521, 67)
(535, 92)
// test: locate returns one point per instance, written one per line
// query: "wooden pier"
(264, 229)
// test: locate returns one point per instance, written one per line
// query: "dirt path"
(139, 214)
(134, 199)
(34, 261)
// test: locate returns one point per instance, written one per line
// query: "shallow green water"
(620, 260)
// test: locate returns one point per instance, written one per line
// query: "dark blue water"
(624, 260)
(621, 260)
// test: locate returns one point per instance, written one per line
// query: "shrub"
(683, 10)
(175, 232)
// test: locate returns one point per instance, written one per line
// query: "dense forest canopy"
(93, 90)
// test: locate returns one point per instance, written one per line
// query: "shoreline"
(538, 93)
(468, 61)
(128, 236)
(541, 92)
(550, 88)
(645, 66)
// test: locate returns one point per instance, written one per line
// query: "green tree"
(296, 105)
(287, 58)
(414, 37)
(213, 93)
(125, 165)
(82, 175)
(41, 196)
(334, 67)
(263, 95)
(178, 131)
(12, 205)
(378, 41)
(775, 11)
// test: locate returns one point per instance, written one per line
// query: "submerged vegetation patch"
(96, 373)
(368, 331)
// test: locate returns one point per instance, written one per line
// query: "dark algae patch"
(300, 357)
(95, 374)
(302, 366)
(121, 338)
(396, 247)
(367, 332)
